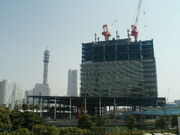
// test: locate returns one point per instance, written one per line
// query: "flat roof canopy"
(105, 101)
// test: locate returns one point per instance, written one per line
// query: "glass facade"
(118, 68)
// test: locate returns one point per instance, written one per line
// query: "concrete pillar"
(114, 106)
(41, 110)
(55, 109)
(70, 108)
(33, 104)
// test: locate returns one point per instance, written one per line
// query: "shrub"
(130, 122)
(40, 130)
(52, 130)
(22, 131)
(73, 131)
(161, 123)
(85, 122)
(97, 130)
(99, 120)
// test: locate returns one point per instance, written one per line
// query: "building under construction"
(118, 68)
(114, 73)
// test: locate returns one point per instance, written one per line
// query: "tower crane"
(134, 31)
(106, 32)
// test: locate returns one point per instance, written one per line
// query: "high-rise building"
(72, 83)
(10, 93)
(41, 89)
(118, 68)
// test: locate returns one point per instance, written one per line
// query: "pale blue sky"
(27, 27)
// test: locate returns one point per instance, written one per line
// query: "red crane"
(106, 32)
(134, 31)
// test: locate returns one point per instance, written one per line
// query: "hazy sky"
(27, 27)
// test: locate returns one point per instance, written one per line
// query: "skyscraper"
(72, 83)
(10, 93)
(118, 68)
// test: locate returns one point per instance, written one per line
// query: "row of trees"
(13, 120)
(26, 123)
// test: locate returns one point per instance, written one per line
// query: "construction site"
(117, 76)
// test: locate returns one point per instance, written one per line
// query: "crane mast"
(134, 31)
(106, 32)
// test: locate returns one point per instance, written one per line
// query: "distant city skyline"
(28, 27)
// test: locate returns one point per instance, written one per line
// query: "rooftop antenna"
(95, 37)
(98, 39)
(117, 35)
(128, 33)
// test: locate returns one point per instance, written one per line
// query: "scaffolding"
(58, 107)
(118, 68)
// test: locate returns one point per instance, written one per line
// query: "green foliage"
(22, 131)
(52, 130)
(31, 119)
(24, 107)
(39, 130)
(45, 130)
(137, 132)
(99, 120)
(73, 131)
(121, 131)
(6, 133)
(17, 120)
(85, 122)
(24, 119)
(161, 123)
(5, 123)
(174, 121)
(130, 122)
(97, 130)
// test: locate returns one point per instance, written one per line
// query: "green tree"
(31, 119)
(5, 133)
(24, 107)
(22, 131)
(174, 121)
(40, 130)
(130, 122)
(85, 122)
(99, 120)
(24, 120)
(98, 130)
(16, 119)
(52, 130)
(5, 123)
(161, 122)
